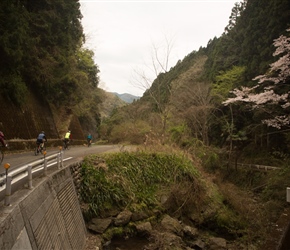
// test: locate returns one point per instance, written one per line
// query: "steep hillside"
(110, 102)
(47, 78)
(28, 121)
(25, 123)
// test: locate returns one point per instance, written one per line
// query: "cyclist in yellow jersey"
(67, 135)
(67, 138)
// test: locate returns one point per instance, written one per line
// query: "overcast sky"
(122, 35)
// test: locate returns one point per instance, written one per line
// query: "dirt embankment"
(22, 124)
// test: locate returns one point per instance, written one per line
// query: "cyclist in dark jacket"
(41, 138)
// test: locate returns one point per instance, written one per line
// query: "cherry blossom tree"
(271, 92)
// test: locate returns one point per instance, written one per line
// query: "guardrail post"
(45, 167)
(58, 160)
(61, 158)
(8, 190)
(29, 170)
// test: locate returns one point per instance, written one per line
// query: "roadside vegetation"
(238, 205)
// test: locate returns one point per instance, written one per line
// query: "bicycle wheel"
(1, 156)
(36, 151)
(41, 149)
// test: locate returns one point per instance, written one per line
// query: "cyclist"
(41, 138)
(89, 139)
(67, 138)
(2, 140)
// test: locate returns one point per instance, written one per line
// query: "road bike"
(2, 148)
(1, 154)
(65, 144)
(39, 148)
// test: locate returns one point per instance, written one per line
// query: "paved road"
(17, 160)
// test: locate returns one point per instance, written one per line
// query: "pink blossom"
(279, 73)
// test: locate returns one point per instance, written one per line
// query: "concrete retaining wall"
(46, 217)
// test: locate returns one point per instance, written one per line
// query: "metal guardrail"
(27, 170)
(261, 167)
(254, 166)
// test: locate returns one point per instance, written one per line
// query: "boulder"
(137, 216)
(144, 228)
(172, 225)
(123, 218)
(217, 243)
(99, 225)
(190, 232)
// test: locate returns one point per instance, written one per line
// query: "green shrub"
(133, 133)
(123, 179)
(156, 181)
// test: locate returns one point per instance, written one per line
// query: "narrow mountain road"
(19, 159)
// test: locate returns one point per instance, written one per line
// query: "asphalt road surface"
(17, 160)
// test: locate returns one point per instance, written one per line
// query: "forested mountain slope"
(248, 38)
(187, 102)
(43, 59)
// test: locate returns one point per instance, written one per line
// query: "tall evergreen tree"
(247, 40)
(14, 40)
(56, 28)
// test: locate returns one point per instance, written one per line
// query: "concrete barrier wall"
(46, 217)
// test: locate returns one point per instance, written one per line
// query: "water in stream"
(134, 243)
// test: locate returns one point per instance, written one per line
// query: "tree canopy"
(41, 51)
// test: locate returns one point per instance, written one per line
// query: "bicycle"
(65, 144)
(89, 143)
(2, 152)
(39, 148)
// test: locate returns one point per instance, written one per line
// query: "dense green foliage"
(40, 50)
(124, 179)
(249, 41)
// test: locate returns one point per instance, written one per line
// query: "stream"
(134, 243)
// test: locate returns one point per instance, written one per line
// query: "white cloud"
(122, 33)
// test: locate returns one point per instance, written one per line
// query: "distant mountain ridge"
(113, 100)
(128, 98)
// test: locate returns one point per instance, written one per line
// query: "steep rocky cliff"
(25, 123)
